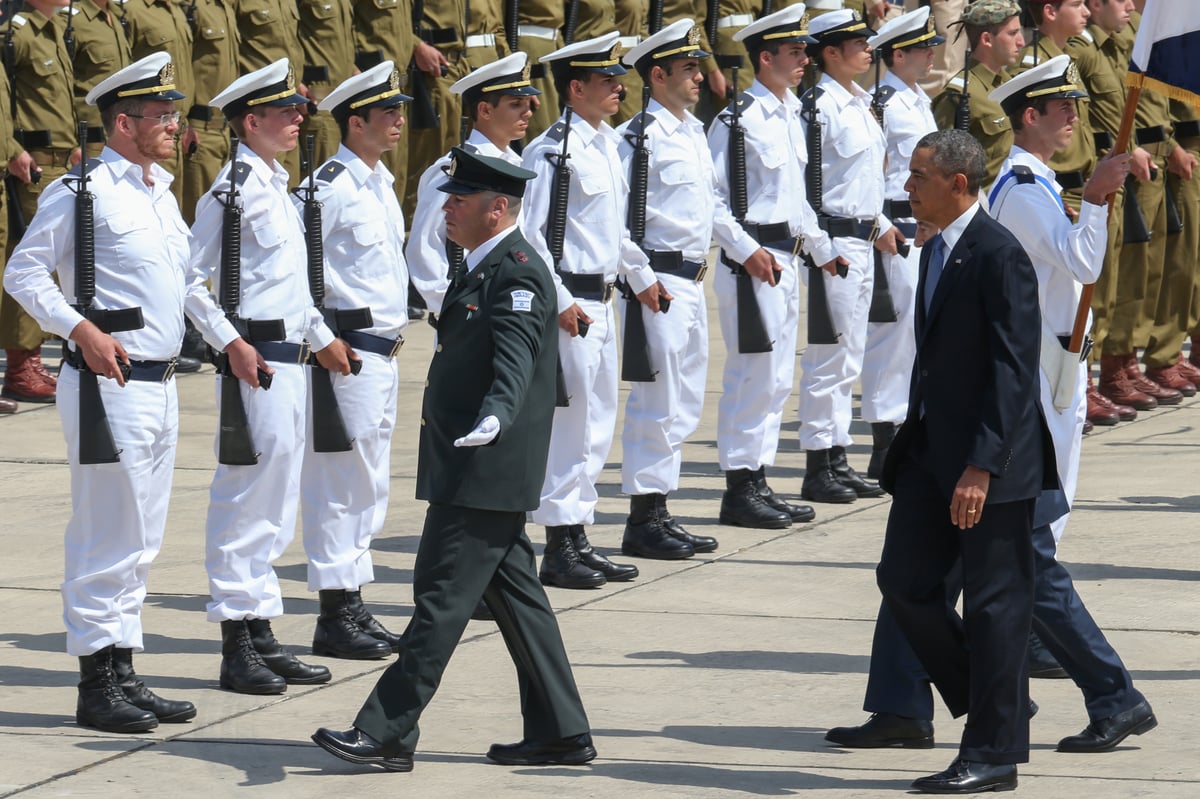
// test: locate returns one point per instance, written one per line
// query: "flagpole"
(1121, 144)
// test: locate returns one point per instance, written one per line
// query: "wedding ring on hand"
(970, 510)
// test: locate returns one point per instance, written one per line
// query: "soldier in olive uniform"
(383, 31)
(993, 30)
(327, 40)
(486, 38)
(268, 31)
(100, 49)
(214, 62)
(500, 312)
(40, 78)
(162, 26)
(10, 149)
(633, 23)
(539, 33)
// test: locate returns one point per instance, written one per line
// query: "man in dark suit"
(967, 466)
(485, 432)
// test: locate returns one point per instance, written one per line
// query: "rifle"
(572, 22)
(454, 251)
(635, 363)
(422, 114)
(95, 436)
(752, 331)
(883, 308)
(962, 112)
(329, 428)
(512, 21)
(711, 10)
(234, 444)
(820, 318)
(655, 17)
(69, 44)
(556, 231)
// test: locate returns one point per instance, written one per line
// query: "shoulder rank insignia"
(1024, 174)
(884, 94)
(634, 126)
(330, 171)
(92, 165)
(956, 83)
(470, 148)
(555, 134)
(520, 256)
(241, 172)
(745, 100)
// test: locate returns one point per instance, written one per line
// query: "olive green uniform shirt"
(1102, 69)
(161, 26)
(596, 18)
(383, 30)
(214, 49)
(989, 124)
(100, 50)
(269, 31)
(42, 78)
(327, 40)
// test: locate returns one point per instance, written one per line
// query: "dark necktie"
(937, 261)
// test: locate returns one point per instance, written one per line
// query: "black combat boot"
(102, 704)
(850, 478)
(743, 506)
(613, 572)
(167, 711)
(369, 623)
(820, 483)
(882, 434)
(242, 668)
(560, 563)
(338, 634)
(645, 534)
(700, 543)
(281, 661)
(797, 513)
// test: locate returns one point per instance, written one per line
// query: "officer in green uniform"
(327, 40)
(993, 29)
(491, 382)
(100, 49)
(539, 33)
(441, 60)
(633, 25)
(161, 26)
(40, 79)
(383, 31)
(268, 31)
(214, 63)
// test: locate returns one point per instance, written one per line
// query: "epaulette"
(810, 97)
(470, 148)
(883, 95)
(1024, 174)
(956, 83)
(241, 172)
(635, 127)
(744, 101)
(1029, 60)
(1086, 35)
(92, 165)
(19, 19)
(330, 171)
(557, 132)
(72, 10)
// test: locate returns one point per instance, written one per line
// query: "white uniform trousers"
(1066, 430)
(583, 432)
(344, 495)
(119, 511)
(892, 346)
(252, 509)
(755, 387)
(659, 416)
(829, 371)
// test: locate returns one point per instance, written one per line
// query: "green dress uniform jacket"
(497, 345)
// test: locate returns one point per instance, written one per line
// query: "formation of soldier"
(782, 135)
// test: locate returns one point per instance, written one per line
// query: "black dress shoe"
(588, 556)
(1105, 734)
(883, 730)
(742, 505)
(573, 751)
(356, 746)
(797, 513)
(968, 776)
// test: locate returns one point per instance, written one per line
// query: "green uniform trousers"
(1139, 272)
(1172, 306)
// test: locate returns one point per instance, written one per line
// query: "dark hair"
(1016, 116)
(758, 49)
(957, 152)
(130, 106)
(563, 74)
(975, 32)
(472, 99)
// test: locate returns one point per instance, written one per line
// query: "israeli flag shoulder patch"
(522, 300)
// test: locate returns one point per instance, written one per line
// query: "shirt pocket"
(258, 13)
(850, 140)
(594, 189)
(677, 179)
(319, 9)
(129, 236)
(368, 251)
(994, 125)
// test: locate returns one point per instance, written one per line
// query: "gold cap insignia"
(1073, 73)
(693, 37)
(453, 166)
(394, 80)
(291, 79)
(857, 17)
(527, 71)
(804, 20)
(166, 75)
(615, 53)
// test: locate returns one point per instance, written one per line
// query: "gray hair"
(957, 152)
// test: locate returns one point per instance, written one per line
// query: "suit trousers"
(976, 662)
(252, 509)
(583, 431)
(755, 387)
(660, 415)
(891, 347)
(344, 495)
(829, 371)
(466, 553)
(118, 511)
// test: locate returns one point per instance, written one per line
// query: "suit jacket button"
(439, 348)
(422, 423)
(924, 373)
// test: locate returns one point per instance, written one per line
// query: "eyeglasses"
(162, 119)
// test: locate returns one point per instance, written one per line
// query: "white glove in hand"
(484, 433)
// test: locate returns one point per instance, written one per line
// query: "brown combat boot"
(22, 382)
(1114, 384)
(45, 375)
(1164, 394)
(1171, 377)
(1103, 405)
(1189, 370)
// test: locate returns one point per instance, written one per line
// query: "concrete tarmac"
(710, 677)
